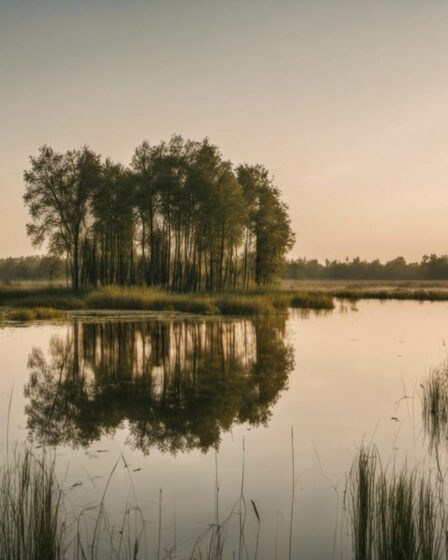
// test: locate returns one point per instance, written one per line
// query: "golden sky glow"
(345, 102)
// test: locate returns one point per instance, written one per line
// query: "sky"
(345, 102)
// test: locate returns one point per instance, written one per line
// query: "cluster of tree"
(431, 267)
(177, 385)
(32, 268)
(180, 217)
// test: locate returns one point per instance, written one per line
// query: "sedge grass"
(395, 515)
(257, 302)
(32, 525)
(33, 314)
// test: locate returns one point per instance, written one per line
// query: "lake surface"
(150, 401)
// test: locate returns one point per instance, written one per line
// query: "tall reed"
(32, 525)
(395, 515)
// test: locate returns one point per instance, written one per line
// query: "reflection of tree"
(177, 384)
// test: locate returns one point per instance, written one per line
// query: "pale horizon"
(343, 102)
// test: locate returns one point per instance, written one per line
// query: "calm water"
(164, 394)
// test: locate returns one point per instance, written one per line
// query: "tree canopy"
(180, 217)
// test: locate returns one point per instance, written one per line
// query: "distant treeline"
(32, 268)
(431, 267)
(179, 217)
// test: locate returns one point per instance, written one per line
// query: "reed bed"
(395, 515)
(312, 300)
(148, 299)
(32, 525)
(253, 303)
(138, 298)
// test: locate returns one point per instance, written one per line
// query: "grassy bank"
(22, 301)
(394, 514)
(396, 290)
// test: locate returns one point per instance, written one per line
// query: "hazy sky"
(346, 103)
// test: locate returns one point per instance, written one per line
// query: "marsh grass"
(138, 298)
(33, 314)
(356, 293)
(37, 521)
(253, 303)
(395, 515)
(147, 299)
(303, 295)
(312, 300)
(32, 523)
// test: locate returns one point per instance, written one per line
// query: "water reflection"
(177, 384)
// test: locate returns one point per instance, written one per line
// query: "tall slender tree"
(181, 217)
(58, 189)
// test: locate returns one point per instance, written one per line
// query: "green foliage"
(181, 217)
(58, 192)
(269, 224)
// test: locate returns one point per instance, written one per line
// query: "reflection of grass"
(31, 517)
(435, 406)
(394, 515)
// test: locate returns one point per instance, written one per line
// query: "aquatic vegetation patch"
(33, 314)
(312, 301)
(139, 298)
(32, 520)
(394, 514)
(148, 299)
